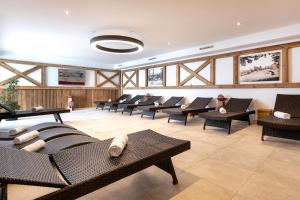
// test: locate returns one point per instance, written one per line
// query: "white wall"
(263, 97)
(52, 76)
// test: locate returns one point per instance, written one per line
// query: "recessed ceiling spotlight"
(238, 23)
(67, 12)
(169, 43)
(117, 44)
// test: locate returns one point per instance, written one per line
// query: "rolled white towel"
(282, 115)
(222, 110)
(137, 102)
(156, 104)
(35, 146)
(18, 130)
(117, 145)
(26, 137)
(38, 108)
(121, 101)
(183, 106)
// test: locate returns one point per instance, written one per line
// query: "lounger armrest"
(197, 110)
(251, 112)
(245, 114)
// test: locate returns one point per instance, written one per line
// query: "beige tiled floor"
(219, 166)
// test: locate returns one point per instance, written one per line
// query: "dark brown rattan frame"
(151, 110)
(116, 106)
(199, 105)
(129, 108)
(236, 110)
(160, 151)
(55, 112)
(283, 128)
(38, 127)
(104, 104)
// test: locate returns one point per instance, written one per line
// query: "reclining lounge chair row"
(237, 109)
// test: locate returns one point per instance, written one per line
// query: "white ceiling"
(39, 30)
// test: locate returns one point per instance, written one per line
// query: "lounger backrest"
(237, 105)
(200, 102)
(123, 97)
(288, 104)
(151, 100)
(134, 99)
(172, 101)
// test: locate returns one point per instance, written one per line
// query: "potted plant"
(9, 101)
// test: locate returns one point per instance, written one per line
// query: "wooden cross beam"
(195, 73)
(107, 79)
(20, 74)
(129, 79)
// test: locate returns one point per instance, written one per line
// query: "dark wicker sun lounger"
(87, 168)
(103, 104)
(50, 136)
(151, 110)
(199, 105)
(128, 108)
(38, 127)
(283, 128)
(236, 110)
(15, 115)
(116, 105)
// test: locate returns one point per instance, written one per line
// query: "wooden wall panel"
(211, 84)
(57, 97)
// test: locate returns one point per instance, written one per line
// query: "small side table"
(262, 113)
(221, 102)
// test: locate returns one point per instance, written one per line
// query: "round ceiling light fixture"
(116, 44)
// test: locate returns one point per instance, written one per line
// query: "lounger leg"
(153, 115)
(204, 125)
(185, 121)
(249, 122)
(262, 136)
(169, 119)
(229, 127)
(58, 118)
(168, 167)
(142, 115)
(3, 192)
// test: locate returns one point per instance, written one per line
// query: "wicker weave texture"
(89, 161)
(39, 127)
(237, 105)
(288, 104)
(20, 167)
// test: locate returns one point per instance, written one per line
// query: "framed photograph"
(262, 67)
(71, 77)
(155, 76)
